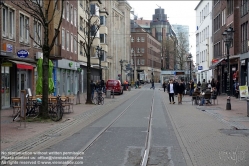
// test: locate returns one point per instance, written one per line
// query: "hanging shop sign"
(22, 53)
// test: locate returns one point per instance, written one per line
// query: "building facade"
(204, 43)
(18, 52)
(146, 56)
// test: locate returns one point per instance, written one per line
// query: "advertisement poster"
(243, 91)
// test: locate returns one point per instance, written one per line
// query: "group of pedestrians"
(175, 88)
(209, 85)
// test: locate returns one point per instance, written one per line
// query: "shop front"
(66, 77)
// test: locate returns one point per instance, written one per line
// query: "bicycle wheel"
(95, 100)
(101, 100)
(60, 112)
(34, 112)
(53, 114)
(17, 115)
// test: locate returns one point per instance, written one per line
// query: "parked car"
(114, 85)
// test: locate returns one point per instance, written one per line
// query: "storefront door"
(5, 90)
(21, 81)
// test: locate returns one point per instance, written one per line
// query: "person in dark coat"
(218, 87)
(164, 86)
(180, 90)
(171, 91)
(92, 87)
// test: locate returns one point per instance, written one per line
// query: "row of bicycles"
(55, 109)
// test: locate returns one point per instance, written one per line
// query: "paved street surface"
(181, 134)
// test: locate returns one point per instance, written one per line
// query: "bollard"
(113, 93)
(247, 107)
(228, 106)
(129, 88)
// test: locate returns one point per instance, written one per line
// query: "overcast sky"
(178, 12)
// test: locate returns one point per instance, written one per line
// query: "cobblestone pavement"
(210, 135)
(15, 137)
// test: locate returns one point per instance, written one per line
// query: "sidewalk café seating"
(65, 103)
(195, 97)
(16, 104)
(207, 98)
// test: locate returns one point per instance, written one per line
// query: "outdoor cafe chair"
(16, 104)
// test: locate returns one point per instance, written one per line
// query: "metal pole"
(100, 70)
(121, 63)
(190, 71)
(228, 105)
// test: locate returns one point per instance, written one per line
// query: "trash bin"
(248, 107)
(108, 93)
(129, 88)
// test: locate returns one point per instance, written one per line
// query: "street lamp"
(100, 53)
(228, 39)
(190, 75)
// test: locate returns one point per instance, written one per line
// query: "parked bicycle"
(55, 109)
(32, 108)
(98, 99)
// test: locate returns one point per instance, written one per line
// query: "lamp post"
(1, 5)
(228, 39)
(190, 61)
(121, 64)
(100, 54)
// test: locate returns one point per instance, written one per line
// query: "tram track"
(144, 157)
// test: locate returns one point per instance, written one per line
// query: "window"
(142, 61)
(138, 61)
(132, 39)
(244, 39)
(67, 8)
(71, 14)
(8, 23)
(37, 33)
(24, 29)
(217, 23)
(142, 50)
(92, 9)
(138, 39)
(93, 30)
(56, 42)
(102, 20)
(81, 47)
(75, 17)
(230, 7)
(72, 42)
(142, 39)
(81, 3)
(63, 12)
(138, 50)
(67, 38)
(81, 23)
(75, 44)
(102, 38)
(63, 38)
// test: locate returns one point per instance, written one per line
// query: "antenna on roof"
(159, 6)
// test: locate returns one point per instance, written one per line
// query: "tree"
(169, 51)
(182, 50)
(90, 31)
(47, 14)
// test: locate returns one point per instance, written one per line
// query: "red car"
(114, 85)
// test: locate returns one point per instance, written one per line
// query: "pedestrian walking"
(203, 85)
(180, 90)
(171, 91)
(164, 86)
(152, 84)
(192, 87)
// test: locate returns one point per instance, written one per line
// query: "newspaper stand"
(23, 107)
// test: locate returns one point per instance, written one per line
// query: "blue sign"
(22, 53)
(199, 67)
(9, 48)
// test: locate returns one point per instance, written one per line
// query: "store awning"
(215, 64)
(23, 65)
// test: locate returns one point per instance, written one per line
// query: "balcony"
(103, 30)
(55, 54)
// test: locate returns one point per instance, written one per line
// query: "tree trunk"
(46, 52)
(89, 97)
